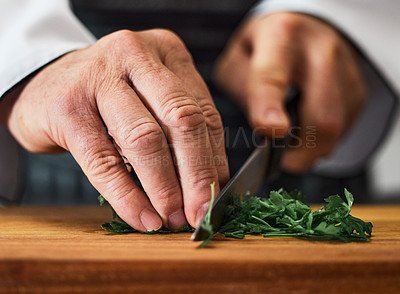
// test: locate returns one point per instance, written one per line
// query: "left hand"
(270, 53)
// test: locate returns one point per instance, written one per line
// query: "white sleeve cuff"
(34, 33)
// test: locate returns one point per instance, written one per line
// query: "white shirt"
(35, 32)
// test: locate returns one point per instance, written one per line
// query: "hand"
(270, 53)
(137, 95)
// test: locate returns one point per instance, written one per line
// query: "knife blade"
(249, 178)
(262, 165)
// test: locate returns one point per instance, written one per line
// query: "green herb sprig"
(207, 219)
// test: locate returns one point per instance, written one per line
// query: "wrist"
(9, 99)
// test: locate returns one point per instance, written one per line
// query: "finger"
(181, 117)
(269, 78)
(100, 161)
(143, 143)
(322, 113)
(181, 64)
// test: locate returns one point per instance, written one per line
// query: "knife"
(262, 165)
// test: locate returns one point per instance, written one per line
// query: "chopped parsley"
(282, 214)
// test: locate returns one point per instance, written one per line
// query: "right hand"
(270, 53)
(132, 94)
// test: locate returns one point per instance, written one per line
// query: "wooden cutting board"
(63, 250)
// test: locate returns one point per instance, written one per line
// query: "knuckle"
(326, 61)
(119, 36)
(176, 51)
(333, 49)
(212, 117)
(100, 164)
(286, 24)
(331, 45)
(182, 112)
(203, 177)
(123, 34)
(187, 116)
(168, 36)
(178, 57)
(123, 43)
(101, 75)
(142, 136)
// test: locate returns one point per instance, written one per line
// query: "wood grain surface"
(63, 250)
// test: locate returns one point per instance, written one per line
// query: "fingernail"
(201, 212)
(150, 220)
(274, 117)
(177, 220)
